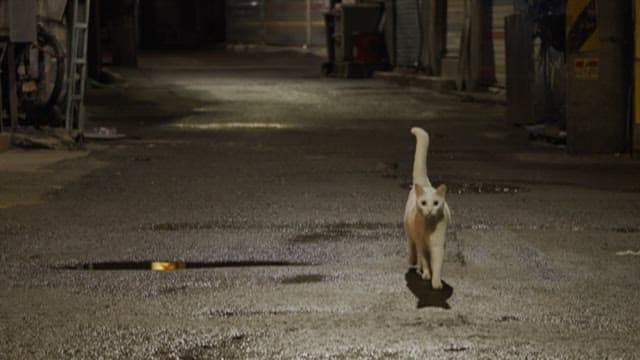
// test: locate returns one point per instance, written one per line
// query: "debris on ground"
(104, 133)
(108, 76)
(547, 133)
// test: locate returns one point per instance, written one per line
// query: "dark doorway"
(181, 24)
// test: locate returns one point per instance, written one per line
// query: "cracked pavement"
(282, 192)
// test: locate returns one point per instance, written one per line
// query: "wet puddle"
(456, 349)
(303, 279)
(426, 295)
(181, 226)
(162, 265)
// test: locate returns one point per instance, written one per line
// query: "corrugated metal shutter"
(286, 22)
(455, 24)
(276, 22)
(407, 32)
(318, 31)
(500, 9)
(245, 21)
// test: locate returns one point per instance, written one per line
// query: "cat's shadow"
(426, 295)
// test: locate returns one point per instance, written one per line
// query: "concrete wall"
(597, 100)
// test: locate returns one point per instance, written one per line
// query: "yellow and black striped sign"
(583, 32)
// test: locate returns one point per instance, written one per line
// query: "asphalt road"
(282, 193)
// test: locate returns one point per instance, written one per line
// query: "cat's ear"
(441, 190)
(419, 190)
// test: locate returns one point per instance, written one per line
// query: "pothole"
(548, 227)
(181, 226)
(342, 230)
(507, 318)
(461, 188)
(227, 313)
(318, 236)
(309, 231)
(173, 265)
(484, 188)
(626, 230)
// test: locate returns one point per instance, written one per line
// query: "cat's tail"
(420, 176)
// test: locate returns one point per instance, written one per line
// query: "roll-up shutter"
(277, 22)
(318, 31)
(289, 21)
(407, 33)
(245, 21)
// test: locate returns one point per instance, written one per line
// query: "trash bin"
(367, 48)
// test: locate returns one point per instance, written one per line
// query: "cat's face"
(430, 201)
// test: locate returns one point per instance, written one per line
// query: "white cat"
(426, 217)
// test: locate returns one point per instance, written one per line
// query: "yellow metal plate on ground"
(167, 265)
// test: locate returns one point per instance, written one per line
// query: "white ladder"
(77, 74)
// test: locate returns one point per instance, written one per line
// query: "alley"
(282, 193)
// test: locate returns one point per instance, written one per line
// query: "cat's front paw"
(436, 284)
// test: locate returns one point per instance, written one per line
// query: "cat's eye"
(435, 203)
(423, 203)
